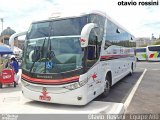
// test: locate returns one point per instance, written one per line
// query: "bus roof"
(140, 47)
(152, 45)
(86, 13)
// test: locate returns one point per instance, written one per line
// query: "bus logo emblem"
(44, 95)
(82, 40)
(94, 76)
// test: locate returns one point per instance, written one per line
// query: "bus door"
(92, 63)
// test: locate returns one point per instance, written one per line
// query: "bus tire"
(131, 72)
(107, 87)
(137, 59)
(1, 85)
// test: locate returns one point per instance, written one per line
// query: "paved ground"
(148, 65)
(120, 91)
(147, 97)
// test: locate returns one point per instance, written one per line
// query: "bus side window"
(92, 49)
(91, 52)
(92, 45)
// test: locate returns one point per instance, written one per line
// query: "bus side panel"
(153, 53)
(95, 85)
(141, 56)
(153, 56)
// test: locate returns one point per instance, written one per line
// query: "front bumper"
(71, 97)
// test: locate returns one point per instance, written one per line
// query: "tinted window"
(93, 49)
(114, 33)
(154, 48)
(63, 27)
(61, 54)
(100, 21)
(117, 36)
(92, 45)
(141, 50)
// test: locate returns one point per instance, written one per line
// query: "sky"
(141, 21)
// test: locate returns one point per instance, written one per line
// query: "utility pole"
(2, 30)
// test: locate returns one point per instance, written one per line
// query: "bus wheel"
(131, 72)
(137, 59)
(106, 87)
(0, 85)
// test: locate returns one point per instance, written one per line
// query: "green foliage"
(143, 45)
(157, 43)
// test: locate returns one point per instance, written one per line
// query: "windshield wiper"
(42, 50)
(47, 56)
(50, 53)
(36, 59)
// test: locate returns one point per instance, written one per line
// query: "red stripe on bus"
(114, 56)
(51, 81)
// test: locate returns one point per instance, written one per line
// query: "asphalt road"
(147, 97)
(148, 65)
(120, 91)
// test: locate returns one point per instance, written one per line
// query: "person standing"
(15, 66)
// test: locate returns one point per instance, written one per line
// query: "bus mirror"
(85, 34)
(12, 38)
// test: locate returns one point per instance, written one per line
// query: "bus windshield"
(53, 46)
(140, 49)
(154, 48)
(62, 27)
(53, 55)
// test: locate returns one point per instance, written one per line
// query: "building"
(142, 42)
(6, 34)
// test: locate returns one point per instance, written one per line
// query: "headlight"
(72, 86)
(83, 82)
(76, 85)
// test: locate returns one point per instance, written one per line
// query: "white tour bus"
(153, 53)
(140, 53)
(72, 60)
